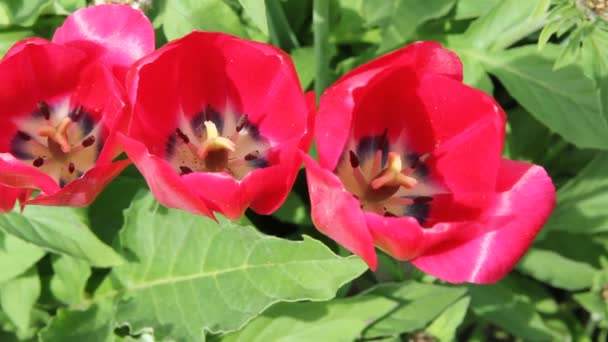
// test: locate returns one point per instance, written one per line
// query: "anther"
(71, 167)
(38, 162)
(76, 113)
(185, 170)
(354, 160)
(88, 141)
(43, 107)
(182, 136)
(242, 122)
(393, 175)
(23, 136)
(252, 156)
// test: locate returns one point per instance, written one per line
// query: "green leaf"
(406, 16)
(476, 75)
(18, 296)
(95, 324)
(564, 100)
(582, 202)
(419, 304)
(180, 17)
(8, 38)
(444, 327)
(335, 320)
(527, 139)
(60, 230)
(187, 274)
(304, 60)
(507, 23)
(499, 305)
(466, 9)
(70, 278)
(16, 256)
(21, 12)
(570, 275)
(256, 10)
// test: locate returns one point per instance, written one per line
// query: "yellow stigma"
(58, 134)
(214, 141)
(393, 175)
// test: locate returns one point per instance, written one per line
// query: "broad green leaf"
(570, 275)
(187, 274)
(444, 327)
(476, 75)
(406, 16)
(95, 324)
(593, 302)
(256, 10)
(16, 256)
(8, 38)
(70, 278)
(294, 210)
(21, 12)
(466, 9)
(304, 61)
(499, 305)
(582, 202)
(506, 23)
(527, 139)
(180, 17)
(335, 320)
(419, 304)
(18, 296)
(534, 292)
(66, 7)
(564, 100)
(60, 230)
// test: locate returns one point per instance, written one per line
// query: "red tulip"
(410, 161)
(63, 101)
(217, 124)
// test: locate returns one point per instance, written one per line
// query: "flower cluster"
(409, 157)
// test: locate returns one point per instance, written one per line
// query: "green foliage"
(127, 269)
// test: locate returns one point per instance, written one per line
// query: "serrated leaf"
(335, 320)
(501, 306)
(570, 275)
(16, 256)
(61, 230)
(18, 296)
(180, 17)
(582, 202)
(505, 23)
(419, 304)
(444, 327)
(95, 324)
(70, 278)
(565, 100)
(187, 274)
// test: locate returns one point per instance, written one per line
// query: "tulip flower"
(62, 102)
(410, 162)
(217, 124)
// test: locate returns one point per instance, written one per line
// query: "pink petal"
(336, 213)
(116, 35)
(220, 192)
(166, 185)
(338, 102)
(23, 43)
(528, 194)
(83, 191)
(8, 197)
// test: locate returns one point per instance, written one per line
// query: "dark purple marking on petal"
(170, 145)
(243, 121)
(76, 113)
(19, 147)
(259, 163)
(367, 147)
(44, 110)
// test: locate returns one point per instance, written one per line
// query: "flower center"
(387, 182)
(211, 142)
(64, 144)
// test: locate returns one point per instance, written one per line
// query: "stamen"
(354, 160)
(88, 141)
(71, 167)
(182, 136)
(252, 156)
(23, 136)
(38, 162)
(43, 107)
(242, 122)
(214, 141)
(393, 175)
(185, 170)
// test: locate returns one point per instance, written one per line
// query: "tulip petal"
(162, 179)
(8, 197)
(15, 173)
(527, 191)
(116, 35)
(337, 214)
(83, 191)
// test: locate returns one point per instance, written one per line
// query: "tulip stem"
(320, 24)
